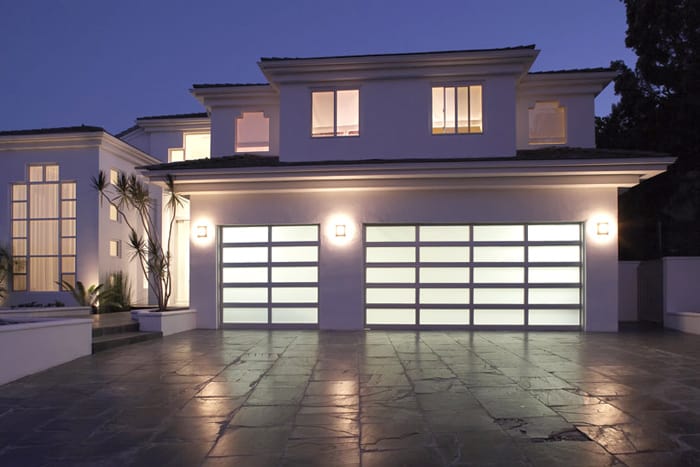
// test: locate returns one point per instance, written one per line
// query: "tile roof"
(189, 115)
(226, 85)
(56, 130)
(572, 70)
(518, 47)
(254, 160)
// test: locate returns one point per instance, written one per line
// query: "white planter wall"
(37, 345)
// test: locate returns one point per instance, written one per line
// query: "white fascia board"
(236, 96)
(591, 83)
(43, 142)
(159, 125)
(443, 65)
(127, 152)
(74, 141)
(492, 174)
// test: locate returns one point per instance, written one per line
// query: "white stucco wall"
(223, 124)
(75, 164)
(580, 122)
(341, 287)
(396, 120)
(681, 283)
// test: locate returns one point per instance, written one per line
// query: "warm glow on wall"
(601, 228)
(202, 232)
(340, 229)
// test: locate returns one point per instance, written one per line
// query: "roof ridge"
(53, 130)
(398, 54)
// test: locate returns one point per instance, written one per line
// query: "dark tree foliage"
(659, 110)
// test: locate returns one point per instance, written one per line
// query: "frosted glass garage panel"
(554, 317)
(499, 275)
(443, 316)
(444, 254)
(565, 296)
(245, 295)
(444, 275)
(391, 316)
(499, 296)
(391, 233)
(554, 254)
(245, 315)
(295, 274)
(391, 295)
(244, 234)
(499, 317)
(295, 315)
(391, 254)
(244, 275)
(444, 233)
(294, 294)
(291, 254)
(444, 296)
(555, 275)
(390, 275)
(499, 254)
(554, 233)
(499, 233)
(256, 254)
(295, 233)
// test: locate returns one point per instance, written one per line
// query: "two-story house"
(402, 190)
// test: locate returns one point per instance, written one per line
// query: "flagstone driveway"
(376, 398)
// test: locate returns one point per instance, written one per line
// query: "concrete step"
(110, 341)
(102, 330)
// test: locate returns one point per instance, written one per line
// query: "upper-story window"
(43, 230)
(252, 132)
(335, 113)
(547, 121)
(194, 146)
(457, 109)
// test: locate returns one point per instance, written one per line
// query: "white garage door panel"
(269, 274)
(479, 275)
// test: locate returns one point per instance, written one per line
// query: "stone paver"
(306, 398)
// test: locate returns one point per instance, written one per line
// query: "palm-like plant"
(6, 264)
(85, 297)
(130, 195)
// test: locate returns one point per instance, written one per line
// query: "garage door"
(269, 274)
(474, 275)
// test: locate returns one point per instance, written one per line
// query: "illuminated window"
(457, 109)
(115, 248)
(547, 122)
(113, 213)
(335, 113)
(43, 230)
(113, 176)
(194, 146)
(252, 132)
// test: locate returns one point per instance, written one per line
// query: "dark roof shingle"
(56, 130)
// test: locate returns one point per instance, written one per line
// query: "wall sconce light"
(202, 231)
(603, 228)
(340, 230)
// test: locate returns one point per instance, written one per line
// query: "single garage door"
(269, 274)
(520, 275)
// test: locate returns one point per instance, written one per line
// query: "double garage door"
(415, 275)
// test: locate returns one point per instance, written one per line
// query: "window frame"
(456, 86)
(66, 198)
(335, 91)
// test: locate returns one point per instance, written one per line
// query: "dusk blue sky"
(107, 62)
